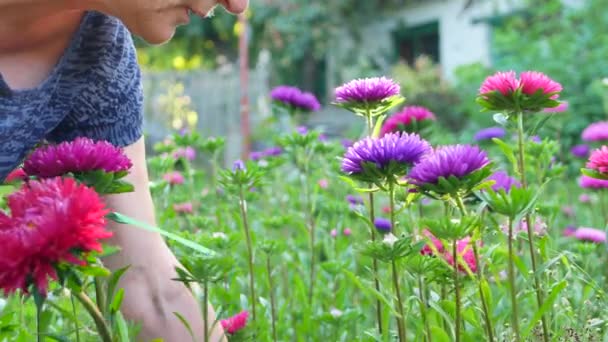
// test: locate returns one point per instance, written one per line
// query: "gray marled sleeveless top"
(94, 91)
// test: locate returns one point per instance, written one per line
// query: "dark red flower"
(52, 221)
(80, 155)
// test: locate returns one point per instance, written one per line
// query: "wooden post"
(244, 84)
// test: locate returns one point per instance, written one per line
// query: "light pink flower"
(539, 228)
(599, 160)
(584, 198)
(333, 233)
(503, 82)
(183, 208)
(188, 153)
(235, 323)
(347, 232)
(562, 107)
(174, 178)
(323, 183)
(533, 81)
(590, 234)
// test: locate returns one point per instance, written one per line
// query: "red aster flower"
(52, 221)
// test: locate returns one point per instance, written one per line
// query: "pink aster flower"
(592, 183)
(539, 228)
(533, 81)
(174, 178)
(80, 155)
(464, 247)
(599, 160)
(188, 153)
(333, 233)
(183, 208)
(347, 232)
(502, 82)
(16, 175)
(584, 198)
(406, 117)
(323, 183)
(597, 131)
(235, 323)
(590, 234)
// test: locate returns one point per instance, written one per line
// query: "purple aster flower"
(256, 155)
(580, 151)
(272, 151)
(367, 90)
(452, 160)
(590, 234)
(400, 149)
(80, 155)
(592, 183)
(489, 133)
(569, 231)
(295, 98)
(383, 225)
(302, 130)
(536, 139)
(503, 181)
(238, 166)
(323, 138)
(355, 200)
(597, 131)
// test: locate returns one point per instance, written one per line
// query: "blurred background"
(215, 76)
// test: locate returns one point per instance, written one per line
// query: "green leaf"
(439, 335)
(547, 305)
(122, 328)
(95, 271)
(378, 126)
(119, 218)
(507, 151)
(370, 291)
(117, 301)
(112, 283)
(119, 187)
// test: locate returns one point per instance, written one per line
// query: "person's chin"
(158, 36)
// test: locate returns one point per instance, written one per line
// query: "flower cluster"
(464, 247)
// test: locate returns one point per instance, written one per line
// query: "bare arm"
(151, 296)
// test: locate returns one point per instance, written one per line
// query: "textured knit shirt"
(94, 91)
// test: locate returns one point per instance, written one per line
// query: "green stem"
(524, 184)
(423, 304)
(456, 291)
(273, 309)
(206, 310)
(38, 325)
(311, 229)
(102, 328)
(76, 325)
(249, 251)
(480, 278)
(401, 319)
(372, 216)
(514, 315)
(100, 295)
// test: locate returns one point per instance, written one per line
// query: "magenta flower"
(367, 90)
(80, 155)
(452, 160)
(580, 151)
(489, 133)
(590, 235)
(401, 121)
(391, 155)
(235, 323)
(569, 231)
(174, 178)
(592, 183)
(533, 81)
(597, 131)
(599, 160)
(295, 98)
(503, 82)
(347, 232)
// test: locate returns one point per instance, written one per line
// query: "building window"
(413, 41)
